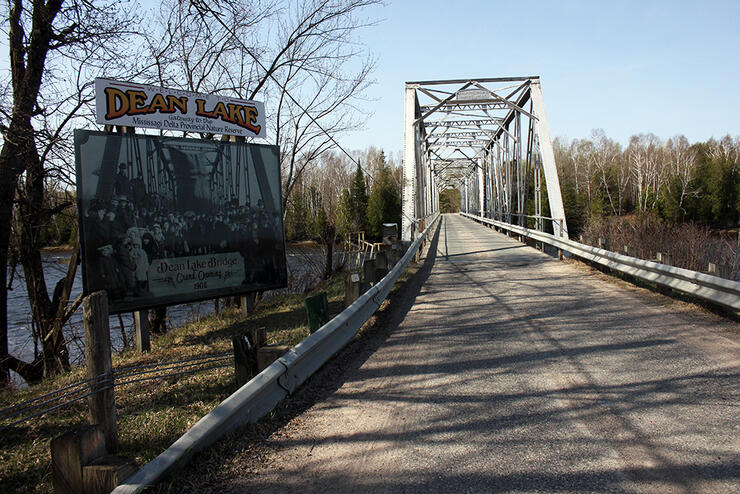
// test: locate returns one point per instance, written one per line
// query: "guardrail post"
(100, 367)
(317, 311)
(603, 243)
(721, 270)
(668, 261)
(245, 355)
(629, 251)
(141, 322)
(368, 271)
(351, 288)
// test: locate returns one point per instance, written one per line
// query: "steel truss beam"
(488, 137)
(463, 123)
(469, 105)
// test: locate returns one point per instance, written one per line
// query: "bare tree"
(330, 176)
(55, 46)
(189, 51)
(304, 65)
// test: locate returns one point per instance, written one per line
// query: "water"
(20, 337)
(305, 266)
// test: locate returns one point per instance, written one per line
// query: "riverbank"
(152, 414)
(305, 270)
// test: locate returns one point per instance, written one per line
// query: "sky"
(626, 67)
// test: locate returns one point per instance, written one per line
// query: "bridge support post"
(410, 155)
(481, 189)
(552, 182)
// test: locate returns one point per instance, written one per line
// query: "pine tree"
(358, 201)
(296, 215)
(344, 214)
(384, 204)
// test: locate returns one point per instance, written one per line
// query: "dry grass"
(152, 414)
(698, 245)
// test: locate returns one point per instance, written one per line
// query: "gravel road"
(513, 372)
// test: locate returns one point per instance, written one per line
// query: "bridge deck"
(515, 372)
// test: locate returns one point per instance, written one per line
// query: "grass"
(152, 414)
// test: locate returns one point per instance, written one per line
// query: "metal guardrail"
(260, 395)
(701, 285)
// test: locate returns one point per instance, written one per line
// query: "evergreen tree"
(449, 201)
(296, 216)
(384, 204)
(344, 214)
(358, 201)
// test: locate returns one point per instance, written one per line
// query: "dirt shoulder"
(250, 449)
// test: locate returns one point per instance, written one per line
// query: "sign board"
(473, 94)
(139, 105)
(167, 220)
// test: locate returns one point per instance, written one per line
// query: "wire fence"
(66, 395)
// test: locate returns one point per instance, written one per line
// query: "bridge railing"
(260, 395)
(714, 289)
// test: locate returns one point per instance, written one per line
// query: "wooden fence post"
(100, 367)
(247, 303)
(721, 270)
(141, 322)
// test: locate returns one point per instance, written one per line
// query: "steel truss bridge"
(481, 385)
(489, 139)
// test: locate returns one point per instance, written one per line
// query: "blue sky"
(627, 67)
(667, 67)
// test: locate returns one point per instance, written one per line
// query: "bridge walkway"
(515, 372)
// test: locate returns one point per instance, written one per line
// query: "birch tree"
(646, 163)
(681, 161)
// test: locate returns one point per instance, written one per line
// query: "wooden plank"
(70, 452)
(104, 474)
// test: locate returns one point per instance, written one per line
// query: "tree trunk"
(329, 265)
(28, 53)
(33, 218)
(7, 192)
(32, 372)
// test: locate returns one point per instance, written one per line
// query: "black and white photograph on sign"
(170, 220)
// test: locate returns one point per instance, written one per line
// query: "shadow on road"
(316, 389)
(500, 386)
